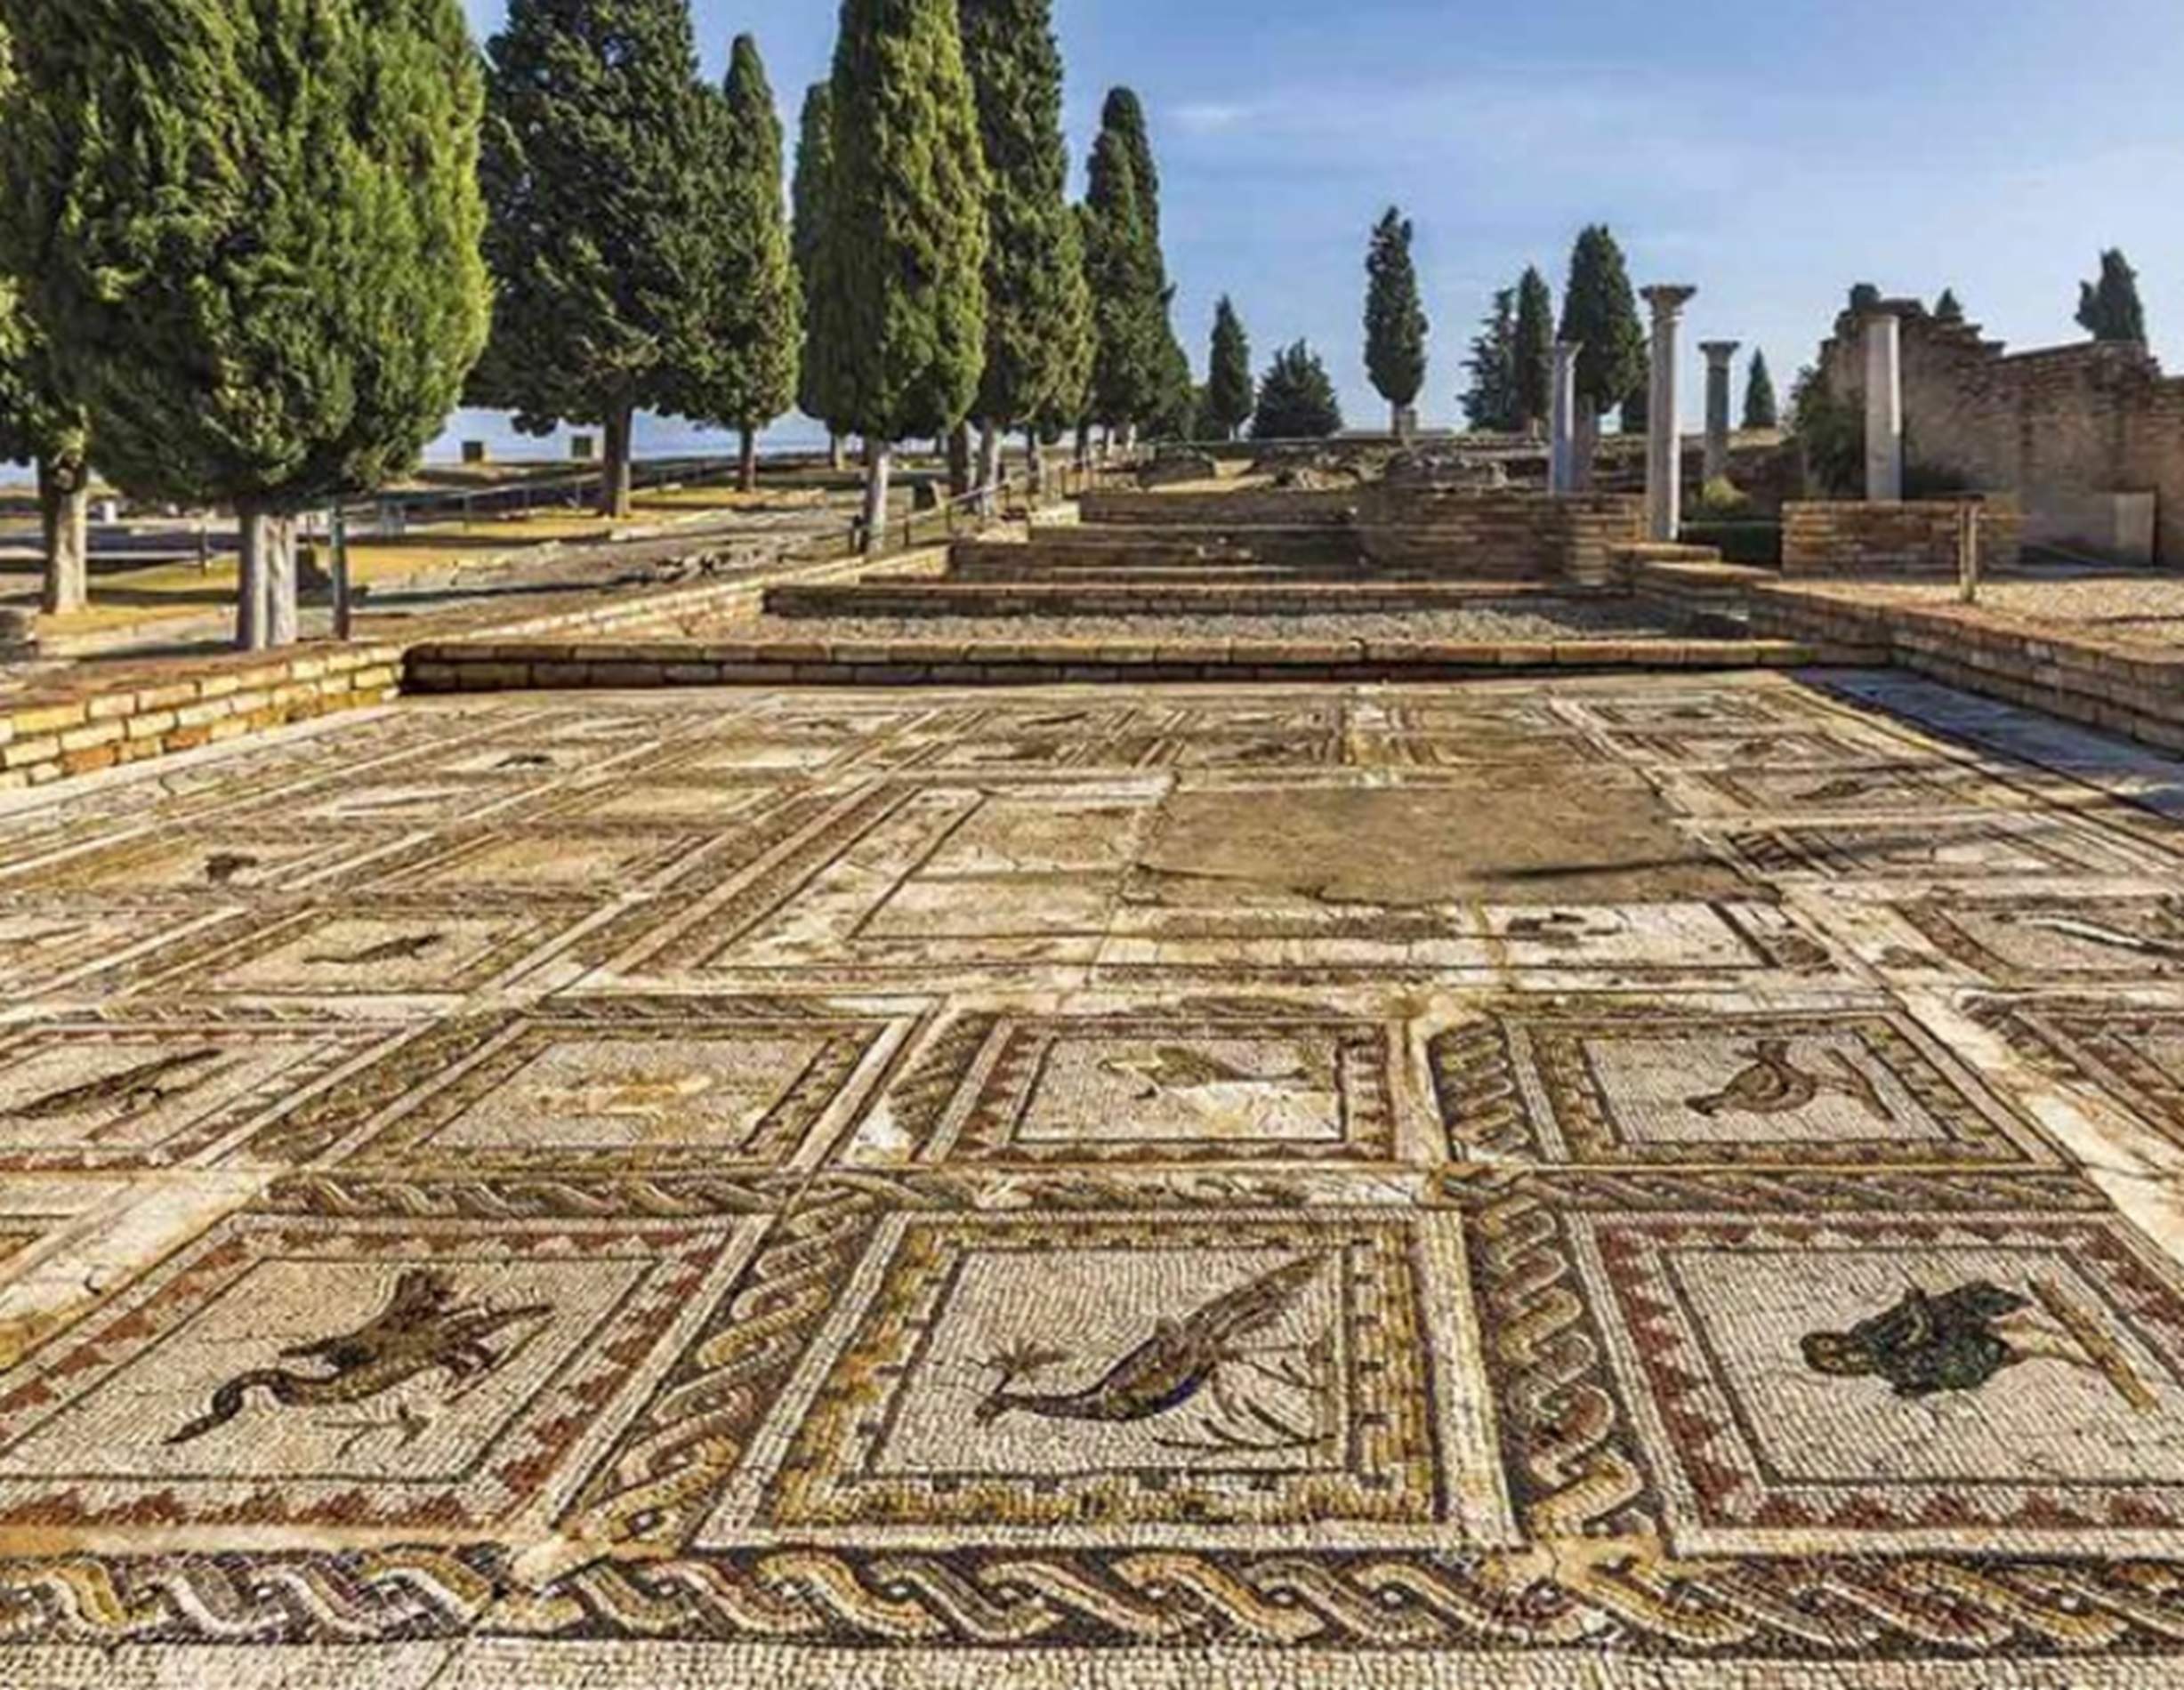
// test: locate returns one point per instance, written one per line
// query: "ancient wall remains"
(2060, 427)
(1915, 538)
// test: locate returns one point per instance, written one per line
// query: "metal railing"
(1059, 482)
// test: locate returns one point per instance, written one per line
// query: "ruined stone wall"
(1916, 538)
(2051, 426)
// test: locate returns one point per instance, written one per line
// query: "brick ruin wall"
(1513, 536)
(2049, 426)
(1918, 538)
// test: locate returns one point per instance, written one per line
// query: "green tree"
(2110, 310)
(40, 426)
(1121, 265)
(1395, 319)
(1948, 308)
(1038, 321)
(1296, 399)
(1600, 310)
(817, 382)
(1490, 401)
(1534, 351)
(1159, 364)
(1761, 409)
(1230, 393)
(1831, 434)
(758, 334)
(908, 232)
(249, 230)
(603, 238)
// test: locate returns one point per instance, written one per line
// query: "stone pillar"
(1664, 436)
(1562, 435)
(1718, 406)
(1884, 407)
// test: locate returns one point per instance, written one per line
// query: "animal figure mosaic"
(1182, 1359)
(140, 1086)
(1773, 1085)
(423, 1328)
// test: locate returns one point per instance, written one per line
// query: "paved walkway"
(1647, 1182)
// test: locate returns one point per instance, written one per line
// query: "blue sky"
(1770, 151)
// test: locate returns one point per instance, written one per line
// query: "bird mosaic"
(1772, 1084)
(424, 1328)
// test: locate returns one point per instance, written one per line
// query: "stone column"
(1562, 437)
(1718, 377)
(1884, 407)
(1664, 436)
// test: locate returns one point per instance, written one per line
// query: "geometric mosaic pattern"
(953, 1185)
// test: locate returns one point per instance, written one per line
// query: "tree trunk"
(1084, 444)
(747, 460)
(879, 460)
(1035, 464)
(64, 509)
(989, 469)
(1585, 446)
(282, 622)
(959, 461)
(614, 487)
(250, 600)
(837, 451)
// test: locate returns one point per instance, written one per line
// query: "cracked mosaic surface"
(1522, 1184)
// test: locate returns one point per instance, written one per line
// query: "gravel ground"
(2138, 608)
(1532, 622)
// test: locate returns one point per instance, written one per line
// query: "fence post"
(1968, 558)
(339, 545)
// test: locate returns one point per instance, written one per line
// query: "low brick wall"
(1091, 551)
(1427, 533)
(1261, 508)
(2113, 687)
(98, 719)
(1914, 538)
(98, 715)
(1498, 535)
(881, 597)
(567, 665)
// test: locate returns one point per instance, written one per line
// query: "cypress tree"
(1157, 368)
(1599, 310)
(1534, 351)
(758, 331)
(2110, 310)
(909, 231)
(251, 234)
(1230, 393)
(603, 234)
(1038, 323)
(1130, 361)
(1762, 410)
(1394, 320)
(1490, 401)
(818, 382)
(1296, 399)
(1948, 308)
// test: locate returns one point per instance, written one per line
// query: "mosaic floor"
(1645, 1182)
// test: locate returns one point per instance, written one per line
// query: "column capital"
(1719, 351)
(1569, 348)
(1668, 298)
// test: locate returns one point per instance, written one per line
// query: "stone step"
(880, 597)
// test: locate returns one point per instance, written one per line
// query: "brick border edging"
(562, 665)
(2075, 679)
(97, 717)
